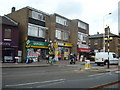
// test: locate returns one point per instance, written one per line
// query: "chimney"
(107, 30)
(13, 9)
(97, 33)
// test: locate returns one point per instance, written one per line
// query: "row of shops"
(61, 50)
(39, 50)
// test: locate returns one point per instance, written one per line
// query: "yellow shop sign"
(64, 44)
(68, 44)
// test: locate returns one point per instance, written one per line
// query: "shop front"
(62, 50)
(83, 53)
(9, 51)
(36, 50)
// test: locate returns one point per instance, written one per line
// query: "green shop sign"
(36, 44)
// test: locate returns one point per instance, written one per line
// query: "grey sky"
(89, 11)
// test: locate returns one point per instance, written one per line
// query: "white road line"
(34, 83)
(96, 74)
(50, 84)
(72, 65)
(117, 72)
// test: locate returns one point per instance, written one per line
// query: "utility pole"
(108, 39)
(104, 33)
(108, 44)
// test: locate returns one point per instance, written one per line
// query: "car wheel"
(106, 62)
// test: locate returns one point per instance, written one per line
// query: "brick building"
(70, 36)
(60, 35)
(96, 43)
(79, 37)
(8, 39)
(33, 32)
(42, 33)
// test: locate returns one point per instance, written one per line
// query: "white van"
(102, 58)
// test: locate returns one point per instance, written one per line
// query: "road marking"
(35, 83)
(72, 65)
(50, 84)
(109, 73)
(96, 74)
(117, 72)
(98, 67)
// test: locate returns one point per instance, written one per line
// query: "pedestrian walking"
(72, 58)
(28, 60)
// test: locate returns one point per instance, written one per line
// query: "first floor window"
(7, 34)
(66, 35)
(82, 37)
(58, 34)
(41, 32)
(32, 31)
(37, 31)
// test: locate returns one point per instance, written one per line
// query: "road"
(68, 76)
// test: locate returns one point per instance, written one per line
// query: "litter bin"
(87, 64)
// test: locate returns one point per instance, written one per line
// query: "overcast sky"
(93, 12)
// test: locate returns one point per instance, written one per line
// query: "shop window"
(66, 50)
(8, 54)
(7, 35)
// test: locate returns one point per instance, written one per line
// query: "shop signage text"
(83, 50)
(5, 43)
(36, 44)
(64, 44)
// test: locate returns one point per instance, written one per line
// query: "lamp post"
(104, 33)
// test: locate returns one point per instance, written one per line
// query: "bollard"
(16, 60)
(87, 64)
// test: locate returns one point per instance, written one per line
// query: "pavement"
(43, 63)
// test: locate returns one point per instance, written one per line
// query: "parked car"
(102, 58)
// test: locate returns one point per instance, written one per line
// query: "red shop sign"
(83, 50)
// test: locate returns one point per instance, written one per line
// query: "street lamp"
(104, 33)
